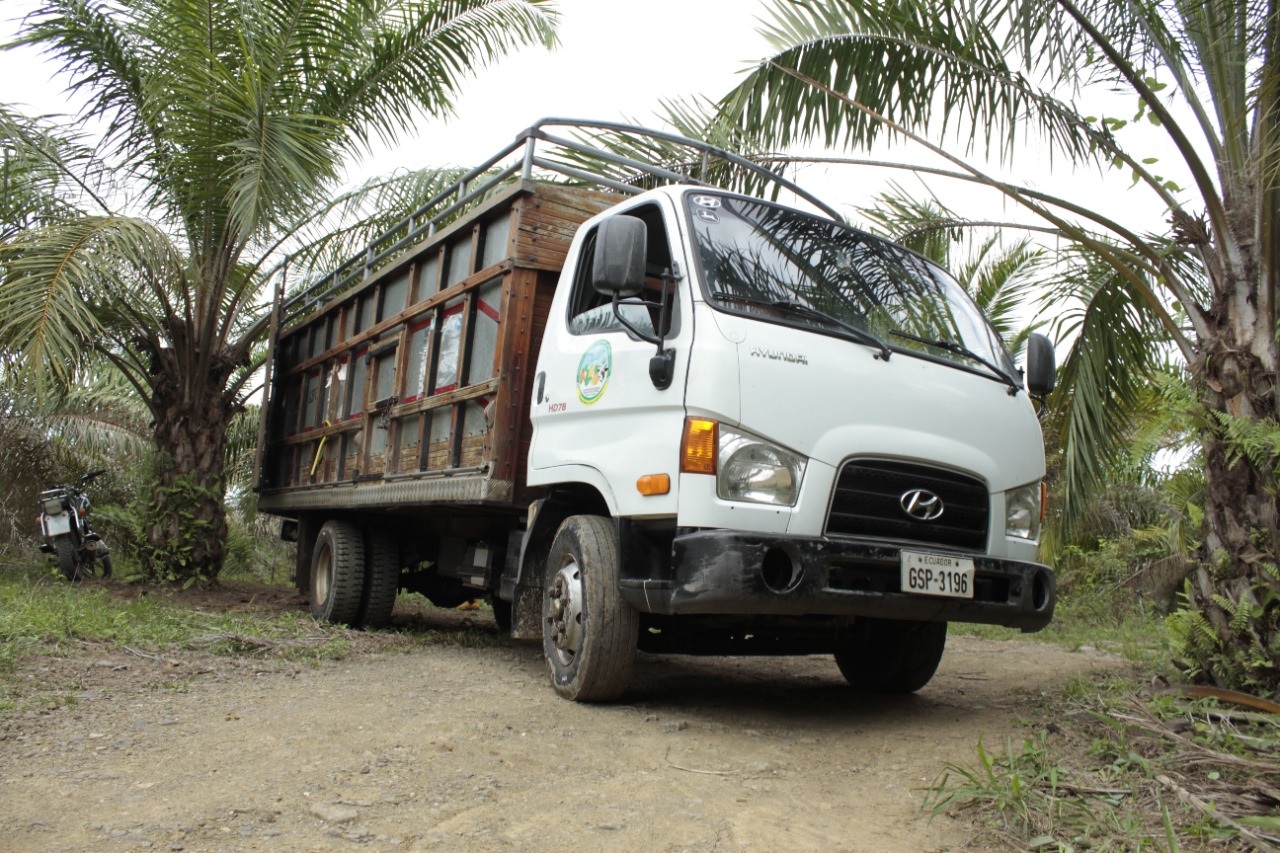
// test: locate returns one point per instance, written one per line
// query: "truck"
(640, 412)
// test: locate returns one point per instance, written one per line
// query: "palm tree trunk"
(187, 521)
(1236, 587)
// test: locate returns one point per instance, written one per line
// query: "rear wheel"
(337, 573)
(589, 632)
(106, 565)
(889, 655)
(67, 562)
(382, 580)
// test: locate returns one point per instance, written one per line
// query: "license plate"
(56, 524)
(937, 574)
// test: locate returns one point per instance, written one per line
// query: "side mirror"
(621, 245)
(1041, 368)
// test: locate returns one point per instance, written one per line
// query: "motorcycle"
(64, 524)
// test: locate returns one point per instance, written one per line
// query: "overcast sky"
(619, 61)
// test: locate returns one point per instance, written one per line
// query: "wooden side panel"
(359, 384)
(519, 343)
(549, 219)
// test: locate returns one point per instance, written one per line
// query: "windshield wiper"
(859, 335)
(960, 349)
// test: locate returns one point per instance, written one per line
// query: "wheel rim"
(322, 578)
(565, 596)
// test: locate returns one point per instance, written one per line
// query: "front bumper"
(739, 573)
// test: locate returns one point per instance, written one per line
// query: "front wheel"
(890, 655)
(589, 633)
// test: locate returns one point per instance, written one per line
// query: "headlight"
(754, 470)
(1022, 512)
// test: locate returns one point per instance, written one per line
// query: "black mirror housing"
(1042, 374)
(621, 247)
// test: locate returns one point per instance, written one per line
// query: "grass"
(41, 615)
(40, 612)
(1121, 763)
(1112, 765)
(1095, 620)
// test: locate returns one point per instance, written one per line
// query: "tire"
(589, 633)
(337, 573)
(890, 656)
(381, 580)
(67, 562)
(106, 565)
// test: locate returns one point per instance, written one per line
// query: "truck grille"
(868, 502)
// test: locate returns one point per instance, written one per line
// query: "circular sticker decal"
(593, 372)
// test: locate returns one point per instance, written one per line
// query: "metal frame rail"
(427, 218)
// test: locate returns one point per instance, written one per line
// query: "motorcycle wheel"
(66, 558)
(106, 565)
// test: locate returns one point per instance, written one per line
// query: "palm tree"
(1207, 74)
(227, 129)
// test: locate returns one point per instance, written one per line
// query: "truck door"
(598, 417)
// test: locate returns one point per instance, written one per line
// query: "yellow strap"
(315, 463)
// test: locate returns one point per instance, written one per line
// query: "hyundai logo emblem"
(921, 504)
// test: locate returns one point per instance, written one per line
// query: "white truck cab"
(839, 432)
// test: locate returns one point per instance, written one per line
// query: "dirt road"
(468, 749)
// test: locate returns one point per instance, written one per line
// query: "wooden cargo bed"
(413, 387)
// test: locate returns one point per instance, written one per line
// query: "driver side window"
(591, 313)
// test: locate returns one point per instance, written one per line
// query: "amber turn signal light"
(698, 447)
(654, 484)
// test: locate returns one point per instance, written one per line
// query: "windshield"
(787, 267)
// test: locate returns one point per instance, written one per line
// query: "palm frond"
(1115, 351)
(242, 443)
(364, 212)
(96, 415)
(64, 285)
(696, 120)
(103, 57)
(949, 65)
(377, 208)
(923, 225)
(47, 174)
(412, 57)
(1003, 282)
